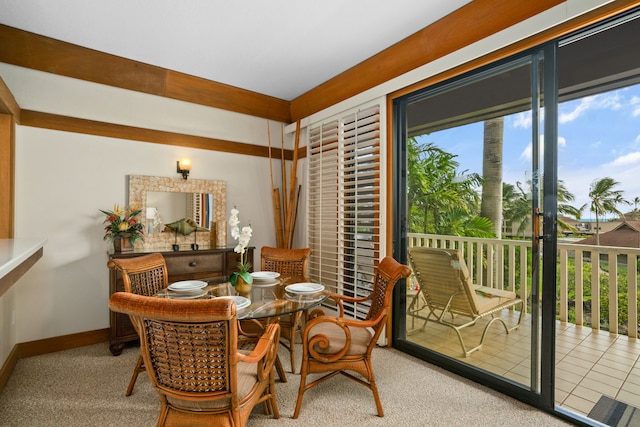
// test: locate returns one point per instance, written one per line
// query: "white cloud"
(562, 141)
(626, 160)
(635, 105)
(607, 101)
(522, 120)
(527, 153)
(584, 105)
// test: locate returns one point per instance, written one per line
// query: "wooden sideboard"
(212, 265)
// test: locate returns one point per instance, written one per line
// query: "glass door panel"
(473, 185)
(597, 349)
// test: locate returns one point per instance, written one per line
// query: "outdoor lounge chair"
(450, 297)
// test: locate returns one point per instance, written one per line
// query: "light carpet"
(85, 387)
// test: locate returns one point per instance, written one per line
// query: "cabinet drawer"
(195, 264)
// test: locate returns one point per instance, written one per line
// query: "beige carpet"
(85, 387)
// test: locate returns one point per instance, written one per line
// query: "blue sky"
(598, 136)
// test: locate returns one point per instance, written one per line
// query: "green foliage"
(603, 277)
(441, 200)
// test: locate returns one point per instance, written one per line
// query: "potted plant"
(241, 279)
(123, 227)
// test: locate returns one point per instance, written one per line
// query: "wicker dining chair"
(143, 275)
(292, 266)
(334, 345)
(190, 353)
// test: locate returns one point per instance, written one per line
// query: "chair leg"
(134, 377)
(293, 363)
(301, 390)
(272, 390)
(280, 370)
(376, 396)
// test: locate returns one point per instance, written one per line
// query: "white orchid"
(243, 236)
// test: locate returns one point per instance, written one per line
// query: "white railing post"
(595, 290)
(564, 285)
(579, 280)
(613, 292)
(632, 295)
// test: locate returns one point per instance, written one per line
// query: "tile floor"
(589, 363)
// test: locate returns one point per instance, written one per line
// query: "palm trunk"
(491, 205)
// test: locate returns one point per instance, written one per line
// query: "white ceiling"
(281, 48)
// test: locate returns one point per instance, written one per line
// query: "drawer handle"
(192, 264)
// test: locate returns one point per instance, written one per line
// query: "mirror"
(203, 201)
(164, 207)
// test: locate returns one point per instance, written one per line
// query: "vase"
(243, 288)
(122, 245)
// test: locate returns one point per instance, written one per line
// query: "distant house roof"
(625, 235)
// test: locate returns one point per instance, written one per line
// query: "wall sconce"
(184, 166)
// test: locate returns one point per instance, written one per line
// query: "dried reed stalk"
(275, 197)
(292, 191)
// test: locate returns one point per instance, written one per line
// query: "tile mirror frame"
(139, 185)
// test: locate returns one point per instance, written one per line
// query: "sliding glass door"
(474, 220)
(517, 212)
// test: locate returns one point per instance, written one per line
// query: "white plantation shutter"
(344, 203)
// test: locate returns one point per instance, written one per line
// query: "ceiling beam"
(8, 104)
(469, 24)
(111, 130)
(37, 52)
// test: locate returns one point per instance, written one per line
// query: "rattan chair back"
(190, 354)
(141, 275)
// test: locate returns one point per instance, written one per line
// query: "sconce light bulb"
(185, 164)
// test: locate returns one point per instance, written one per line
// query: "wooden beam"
(472, 22)
(8, 104)
(7, 175)
(37, 52)
(92, 127)
(607, 11)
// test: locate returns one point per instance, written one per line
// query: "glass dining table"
(265, 304)
(265, 301)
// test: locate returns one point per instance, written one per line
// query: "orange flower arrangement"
(123, 223)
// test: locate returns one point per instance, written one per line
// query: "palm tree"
(517, 205)
(604, 199)
(440, 198)
(491, 205)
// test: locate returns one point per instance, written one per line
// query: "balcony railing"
(587, 291)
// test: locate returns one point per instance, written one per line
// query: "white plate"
(265, 276)
(241, 302)
(304, 288)
(188, 295)
(187, 286)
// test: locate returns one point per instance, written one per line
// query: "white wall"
(62, 179)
